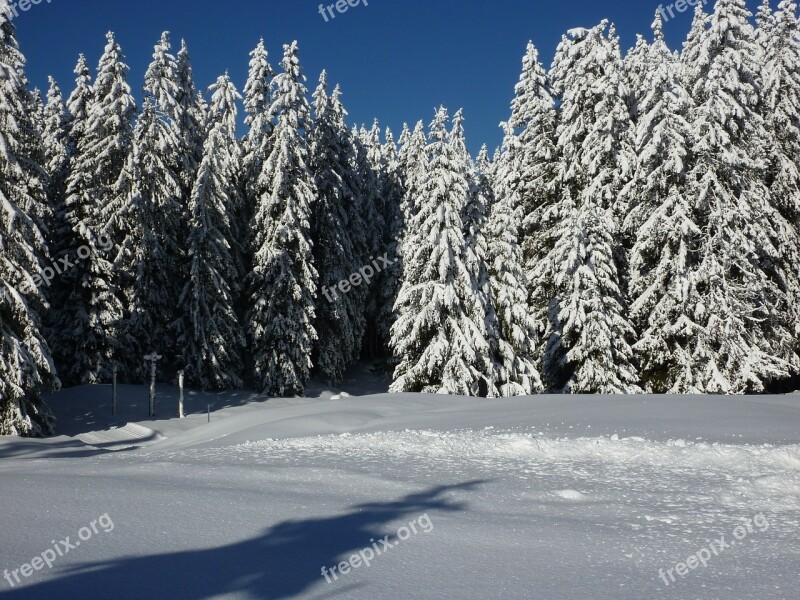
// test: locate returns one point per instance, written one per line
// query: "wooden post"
(208, 407)
(114, 391)
(180, 394)
(152, 358)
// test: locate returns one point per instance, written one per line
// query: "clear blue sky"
(395, 59)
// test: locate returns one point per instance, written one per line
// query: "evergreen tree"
(36, 110)
(371, 170)
(283, 281)
(391, 275)
(516, 336)
(637, 66)
(589, 342)
(742, 302)
(413, 164)
(474, 217)
(339, 238)
(210, 335)
(765, 31)
(54, 137)
(440, 335)
(149, 253)
(91, 336)
(526, 179)
(781, 109)
(152, 253)
(662, 221)
(694, 48)
(63, 240)
(191, 116)
(257, 144)
(26, 369)
(78, 105)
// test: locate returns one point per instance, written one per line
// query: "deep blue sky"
(395, 59)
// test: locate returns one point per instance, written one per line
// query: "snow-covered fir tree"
(36, 110)
(54, 132)
(257, 144)
(740, 279)
(191, 117)
(694, 47)
(78, 104)
(89, 324)
(209, 333)
(439, 338)
(391, 275)
(516, 335)
(526, 178)
(282, 285)
(414, 160)
(26, 369)
(149, 254)
(589, 341)
(637, 66)
(148, 217)
(662, 223)
(339, 237)
(474, 217)
(371, 169)
(781, 111)
(55, 145)
(765, 29)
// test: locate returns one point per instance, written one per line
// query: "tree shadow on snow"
(284, 562)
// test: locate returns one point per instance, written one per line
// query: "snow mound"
(129, 436)
(571, 495)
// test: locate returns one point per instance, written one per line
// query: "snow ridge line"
(488, 444)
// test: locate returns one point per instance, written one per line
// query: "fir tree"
(54, 139)
(589, 342)
(391, 275)
(78, 105)
(474, 217)
(781, 109)
(191, 117)
(149, 253)
(515, 339)
(339, 238)
(662, 221)
(90, 323)
(210, 334)
(765, 31)
(26, 369)
(413, 164)
(440, 335)
(257, 144)
(742, 302)
(282, 284)
(526, 178)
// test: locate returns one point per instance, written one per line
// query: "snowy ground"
(548, 497)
